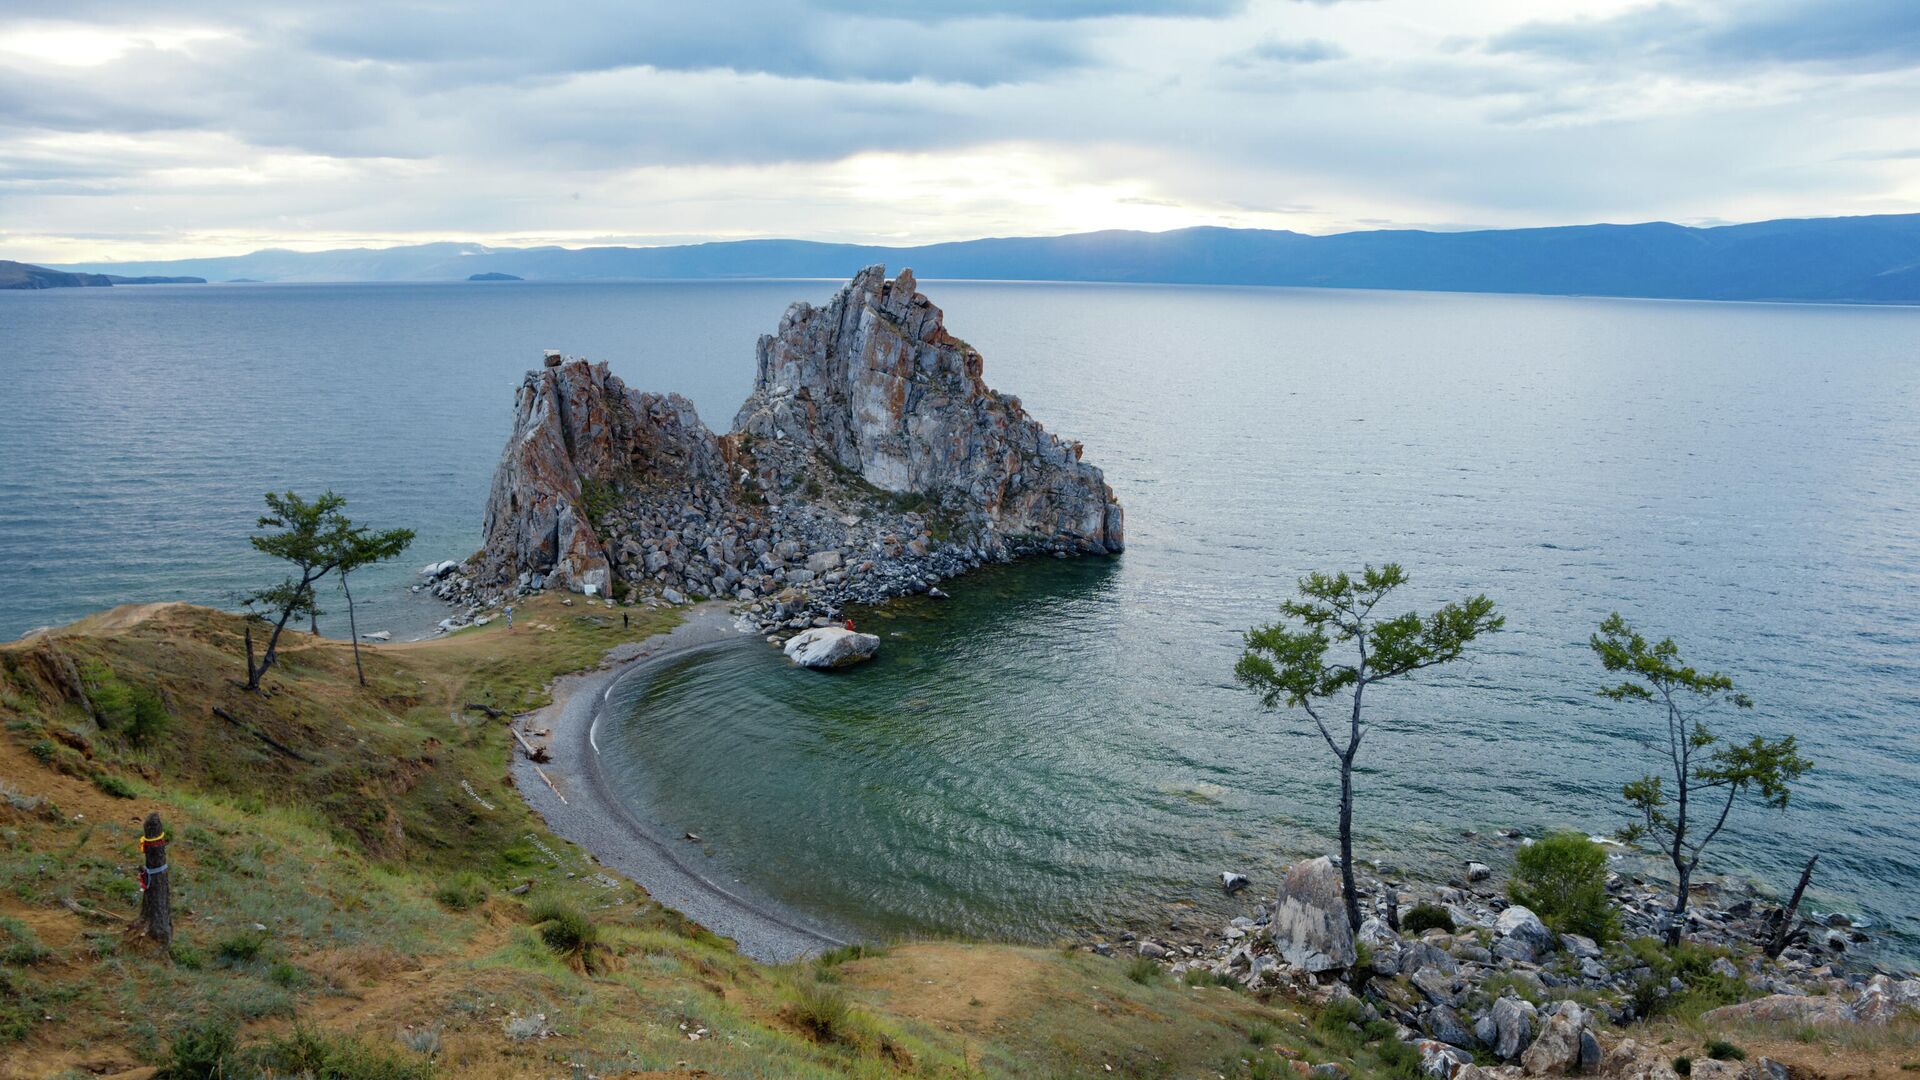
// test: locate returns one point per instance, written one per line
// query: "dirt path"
(584, 810)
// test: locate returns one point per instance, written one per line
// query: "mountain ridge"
(1867, 259)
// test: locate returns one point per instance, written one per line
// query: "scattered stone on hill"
(1503, 987)
(870, 461)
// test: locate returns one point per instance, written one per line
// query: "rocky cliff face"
(583, 446)
(874, 384)
(871, 459)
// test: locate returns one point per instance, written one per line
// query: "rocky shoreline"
(1500, 994)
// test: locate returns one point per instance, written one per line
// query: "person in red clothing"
(849, 624)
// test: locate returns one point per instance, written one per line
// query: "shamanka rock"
(870, 460)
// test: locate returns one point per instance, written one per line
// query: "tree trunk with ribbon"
(156, 896)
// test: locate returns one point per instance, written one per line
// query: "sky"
(153, 130)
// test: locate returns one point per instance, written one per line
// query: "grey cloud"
(1854, 34)
(1276, 50)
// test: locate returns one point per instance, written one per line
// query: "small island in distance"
(495, 276)
(19, 275)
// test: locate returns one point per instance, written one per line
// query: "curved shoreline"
(584, 811)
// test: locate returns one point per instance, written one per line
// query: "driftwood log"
(156, 887)
(534, 753)
(262, 736)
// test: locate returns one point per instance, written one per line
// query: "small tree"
(309, 538)
(1562, 877)
(1286, 664)
(1698, 766)
(357, 547)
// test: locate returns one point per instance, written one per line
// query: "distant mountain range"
(1857, 259)
(19, 275)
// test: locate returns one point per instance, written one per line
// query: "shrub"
(286, 975)
(1562, 877)
(113, 785)
(1692, 964)
(20, 946)
(241, 948)
(1261, 1033)
(112, 699)
(462, 892)
(568, 933)
(1423, 917)
(819, 1011)
(1143, 970)
(1722, 1050)
(1683, 1065)
(306, 1052)
(199, 1051)
(841, 954)
(150, 717)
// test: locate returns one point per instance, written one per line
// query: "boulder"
(377, 635)
(1590, 1054)
(1309, 924)
(1518, 933)
(1886, 999)
(1784, 1009)
(831, 647)
(1477, 871)
(1444, 1024)
(1439, 1061)
(1557, 1048)
(1513, 1020)
(822, 561)
(1231, 882)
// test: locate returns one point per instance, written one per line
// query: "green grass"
(114, 786)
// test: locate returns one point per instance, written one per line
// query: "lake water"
(1062, 744)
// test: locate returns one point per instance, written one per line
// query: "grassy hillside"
(361, 893)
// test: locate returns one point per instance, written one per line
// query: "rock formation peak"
(870, 459)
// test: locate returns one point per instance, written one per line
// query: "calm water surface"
(1061, 744)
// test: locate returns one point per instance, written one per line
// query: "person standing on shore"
(509, 618)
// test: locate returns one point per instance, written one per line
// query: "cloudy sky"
(155, 130)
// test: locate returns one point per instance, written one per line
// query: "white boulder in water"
(378, 635)
(439, 569)
(831, 647)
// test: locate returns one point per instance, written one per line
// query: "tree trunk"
(273, 645)
(1677, 922)
(353, 630)
(1783, 930)
(247, 629)
(1346, 844)
(156, 894)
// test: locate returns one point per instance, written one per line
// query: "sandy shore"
(590, 816)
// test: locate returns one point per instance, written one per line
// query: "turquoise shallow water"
(1061, 743)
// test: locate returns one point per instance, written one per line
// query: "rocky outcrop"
(583, 445)
(870, 460)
